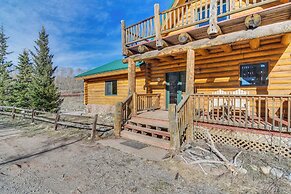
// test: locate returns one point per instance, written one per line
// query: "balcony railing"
(194, 13)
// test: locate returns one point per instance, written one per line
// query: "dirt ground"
(36, 159)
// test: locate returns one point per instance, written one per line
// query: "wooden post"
(32, 115)
(123, 38)
(190, 117)
(118, 119)
(134, 103)
(173, 128)
(93, 132)
(13, 113)
(157, 21)
(131, 76)
(213, 29)
(57, 119)
(190, 74)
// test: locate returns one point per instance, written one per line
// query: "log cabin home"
(221, 65)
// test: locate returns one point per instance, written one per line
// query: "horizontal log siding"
(96, 89)
(220, 70)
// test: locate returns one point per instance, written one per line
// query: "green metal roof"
(108, 67)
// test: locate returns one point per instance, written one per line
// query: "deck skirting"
(262, 142)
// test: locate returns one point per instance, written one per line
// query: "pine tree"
(23, 80)
(43, 92)
(5, 78)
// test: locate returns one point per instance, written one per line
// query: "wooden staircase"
(147, 130)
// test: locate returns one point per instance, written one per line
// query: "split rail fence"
(57, 119)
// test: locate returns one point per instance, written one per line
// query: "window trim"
(255, 63)
(105, 89)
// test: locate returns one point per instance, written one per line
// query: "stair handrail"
(126, 108)
(183, 116)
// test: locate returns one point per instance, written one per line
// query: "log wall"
(95, 89)
(220, 70)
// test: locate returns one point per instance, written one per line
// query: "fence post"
(13, 113)
(58, 116)
(118, 119)
(93, 132)
(32, 116)
(173, 128)
(213, 29)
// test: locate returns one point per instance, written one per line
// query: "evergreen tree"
(5, 78)
(23, 80)
(43, 92)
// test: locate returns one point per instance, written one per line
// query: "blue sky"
(83, 33)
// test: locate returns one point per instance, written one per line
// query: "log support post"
(190, 81)
(190, 72)
(118, 119)
(173, 128)
(131, 76)
(213, 30)
(157, 21)
(93, 132)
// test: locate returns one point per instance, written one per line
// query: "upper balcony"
(198, 19)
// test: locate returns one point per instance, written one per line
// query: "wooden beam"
(143, 49)
(255, 43)
(203, 52)
(184, 38)
(260, 32)
(286, 39)
(226, 48)
(131, 76)
(190, 72)
(123, 38)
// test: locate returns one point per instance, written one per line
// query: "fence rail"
(193, 13)
(245, 111)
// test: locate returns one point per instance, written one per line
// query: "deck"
(186, 23)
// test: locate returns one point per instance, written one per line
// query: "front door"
(176, 82)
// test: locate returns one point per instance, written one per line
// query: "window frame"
(250, 64)
(112, 90)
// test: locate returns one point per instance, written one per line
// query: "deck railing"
(147, 102)
(126, 108)
(183, 115)
(264, 112)
(193, 13)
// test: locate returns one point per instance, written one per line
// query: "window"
(111, 88)
(254, 74)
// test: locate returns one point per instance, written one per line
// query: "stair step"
(161, 143)
(151, 122)
(147, 130)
